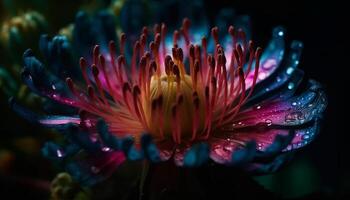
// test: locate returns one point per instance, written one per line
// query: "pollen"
(175, 108)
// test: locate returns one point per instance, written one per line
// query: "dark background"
(321, 26)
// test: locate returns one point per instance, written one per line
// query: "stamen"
(133, 60)
(176, 36)
(83, 67)
(215, 35)
(122, 43)
(163, 34)
(185, 27)
(176, 72)
(195, 122)
(95, 73)
(96, 52)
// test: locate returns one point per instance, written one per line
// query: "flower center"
(173, 107)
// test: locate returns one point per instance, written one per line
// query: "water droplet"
(106, 149)
(292, 117)
(290, 85)
(268, 122)
(59, 153)
(95, 169)
(289, 70)
(228, 148)
(306, 137)
(262, 75)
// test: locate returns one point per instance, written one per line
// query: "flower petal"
(43, 82)
(197, 155)
(58, 55)
(285, 78)
(270, 59)
(58, 122)
(294, 111)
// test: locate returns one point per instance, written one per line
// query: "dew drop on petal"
(306, 137)
(294, 116)
(268, 122)
(59, 153)
(290, 85)
(262, 75)
(228, 148)
(289, 70)
(280, 33)
(105, 149)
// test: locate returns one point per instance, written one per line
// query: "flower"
(174, 98)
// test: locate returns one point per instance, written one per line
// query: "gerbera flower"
(175, 98)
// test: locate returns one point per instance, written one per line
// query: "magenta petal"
(294, 111)
(59, 120)
(166, 149)
(221, 150)
(179, 154)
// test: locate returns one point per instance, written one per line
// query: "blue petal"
(107, 138)
(197, 155)
(127, 145)
(244, 155)
(150, 150)
(285, 78)
(58, 54)
(82, 139)
(39, 79)
(280, 142)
